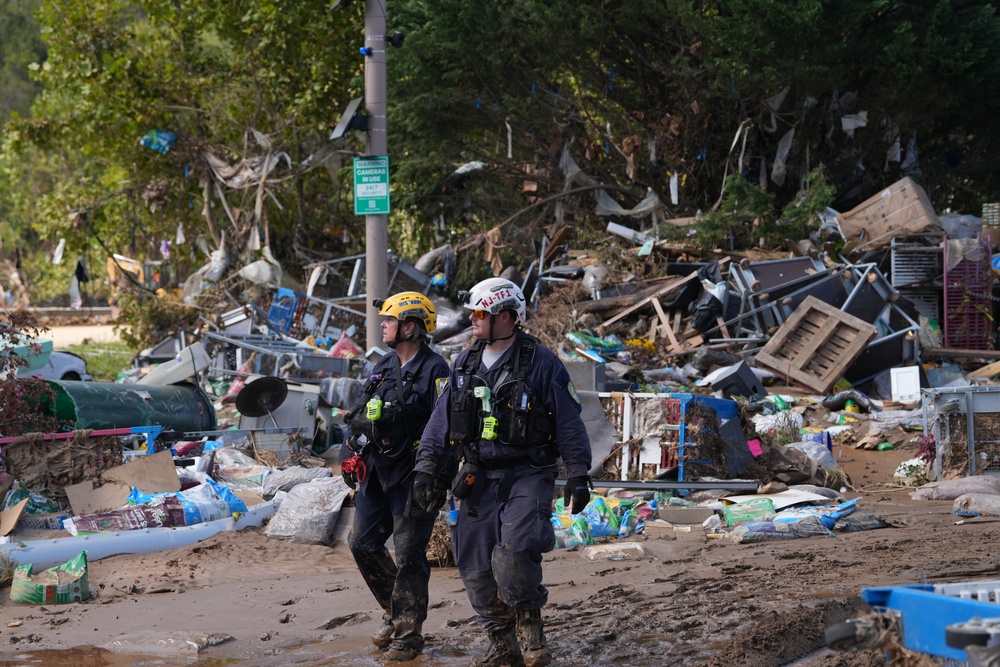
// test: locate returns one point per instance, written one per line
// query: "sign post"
(371, 185)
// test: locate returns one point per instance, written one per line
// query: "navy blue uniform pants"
(399, 586)
(499, 552)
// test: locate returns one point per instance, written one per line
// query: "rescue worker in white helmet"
(385, 426)
(509, 412)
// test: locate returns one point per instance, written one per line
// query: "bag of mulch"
(201, 503)
(953, 488)
(858, 521)
(164, 512)
(56, 585)
(37, 503)
(768, 531)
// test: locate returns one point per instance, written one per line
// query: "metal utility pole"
(376, 265)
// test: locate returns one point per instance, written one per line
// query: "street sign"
(371, 185)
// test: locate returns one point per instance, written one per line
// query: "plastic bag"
(827, 515)
(289, 478)
(816, 451)
(572, 533)
(309, 513)
(37, 503)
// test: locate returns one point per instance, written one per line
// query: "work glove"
(353, 470)
(576, 494)
(428, 494)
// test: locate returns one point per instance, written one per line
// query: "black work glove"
(428, 494)
(349, 477)
(576, 495)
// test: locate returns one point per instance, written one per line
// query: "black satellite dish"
(261, 397)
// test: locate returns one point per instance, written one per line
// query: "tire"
(958, 636)
(842, 636)
(71, 376)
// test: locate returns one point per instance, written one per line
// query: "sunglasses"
(479, 314)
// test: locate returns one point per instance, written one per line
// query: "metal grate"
(916, 270)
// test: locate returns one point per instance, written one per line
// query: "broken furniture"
(668, 440)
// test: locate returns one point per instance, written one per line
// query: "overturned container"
(100, 405)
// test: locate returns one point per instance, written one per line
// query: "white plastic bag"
(309, 513)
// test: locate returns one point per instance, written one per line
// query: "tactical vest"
(515, 419)
(389, 432)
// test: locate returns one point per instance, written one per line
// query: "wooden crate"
(815, 345)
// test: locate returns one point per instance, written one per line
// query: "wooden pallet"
(815, 345)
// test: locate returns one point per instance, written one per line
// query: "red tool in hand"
(355, 466)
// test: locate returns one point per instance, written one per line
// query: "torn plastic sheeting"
(852, 121)
(650, 204)
(265, 271)
(245, 173)
(46, 553)
(784, 146)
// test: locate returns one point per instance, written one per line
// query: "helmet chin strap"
(492, 339)
(399, 338)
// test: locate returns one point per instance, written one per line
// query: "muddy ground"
(692, 601)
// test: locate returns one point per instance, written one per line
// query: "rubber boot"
(502, 652)
(383, 636)
(530, 632)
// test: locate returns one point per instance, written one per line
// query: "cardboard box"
(902, 208)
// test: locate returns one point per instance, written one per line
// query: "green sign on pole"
(371, 185)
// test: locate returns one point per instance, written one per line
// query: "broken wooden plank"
(669, 287)
(656, 295)
(665, 324)
(815, 345)
(987, 371)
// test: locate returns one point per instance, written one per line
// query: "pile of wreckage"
(785, 361)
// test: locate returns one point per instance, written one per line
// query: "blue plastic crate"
(925, 611)
(282, 311)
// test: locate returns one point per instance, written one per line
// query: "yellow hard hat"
(406, 305)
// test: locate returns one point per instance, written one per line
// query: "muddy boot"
(529, 631)
(383, 636)
(503, 651)
(404, 650)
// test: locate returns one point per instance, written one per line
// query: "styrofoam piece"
(616, 551)
(46, 553)
(190, 361)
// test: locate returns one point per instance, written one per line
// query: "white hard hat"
(494, 295)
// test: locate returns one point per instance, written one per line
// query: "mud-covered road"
(690, 601)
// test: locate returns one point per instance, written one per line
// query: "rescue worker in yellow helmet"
(384, 429)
